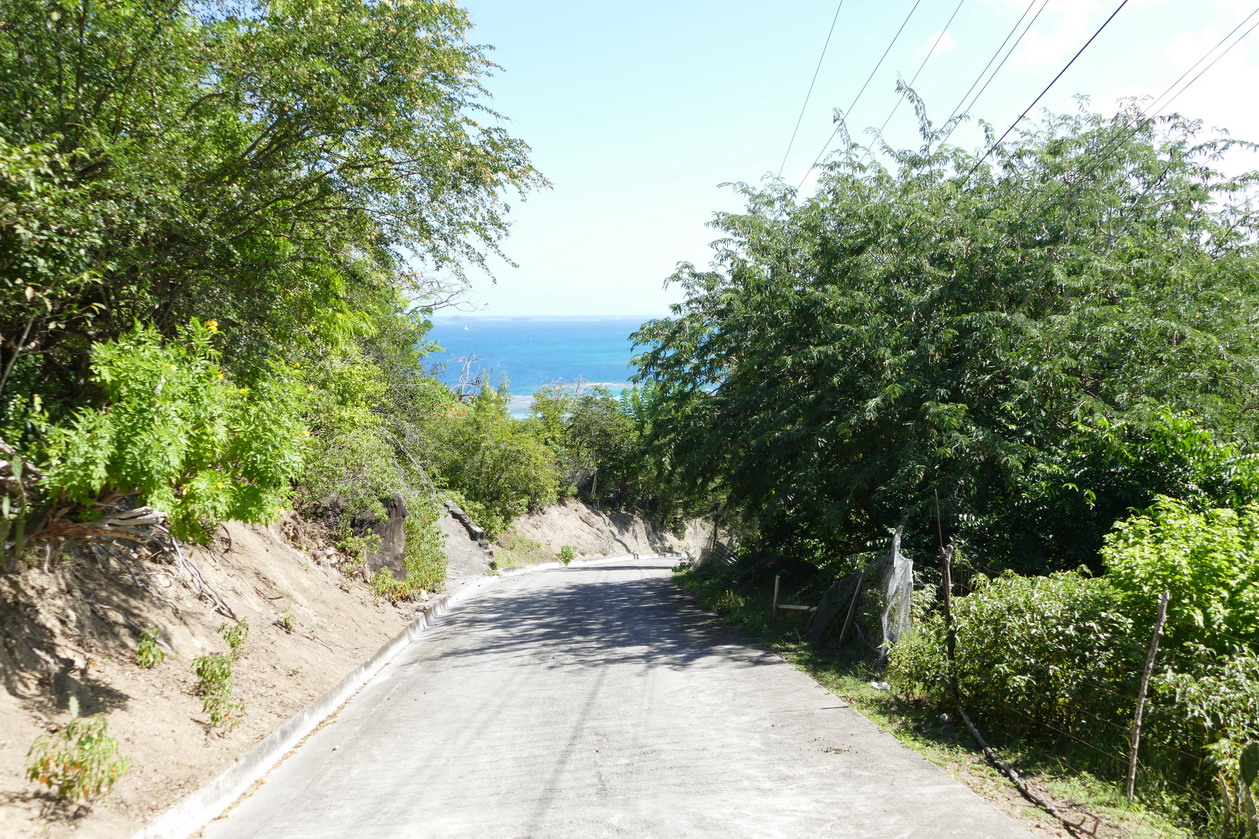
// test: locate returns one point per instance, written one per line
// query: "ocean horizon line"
(529, 353)
(437, 318)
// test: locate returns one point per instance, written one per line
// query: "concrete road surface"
(598, 701)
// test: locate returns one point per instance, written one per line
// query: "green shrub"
(424, 560)
(81, 762)
(356, 546)
(148, 653)
(1238, 813)
(1204, 706)
(1061, 656)
(1209, 561)
(388, 587)
(223, 710)
(567, 554)
(1031, 652)
(490, 519)
(214, 673)
(235, 635)
(176, 431)
(373, 417)
(351, 465)
(214, 686)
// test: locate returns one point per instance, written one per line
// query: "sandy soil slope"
(592, 533)
(71, 629)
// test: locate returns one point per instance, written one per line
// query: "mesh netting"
(898, 590)
(881, 591)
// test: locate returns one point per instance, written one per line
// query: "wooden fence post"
(852, 609)
(1145, 686)
(950, 634)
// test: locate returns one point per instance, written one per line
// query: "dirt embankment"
(591, 533)
(70, 629)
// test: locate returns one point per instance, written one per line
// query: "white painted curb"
(199, 808)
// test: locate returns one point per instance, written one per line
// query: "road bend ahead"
(598, 701)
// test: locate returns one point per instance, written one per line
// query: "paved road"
(597, 701)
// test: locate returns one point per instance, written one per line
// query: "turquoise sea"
(529, 353)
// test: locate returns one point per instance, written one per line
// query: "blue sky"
(638, 111)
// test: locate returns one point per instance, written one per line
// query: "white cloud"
(945, 43)
(1057, 35)
(1213, 97)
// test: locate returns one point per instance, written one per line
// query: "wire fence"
(1105, 738)
(1124, 726)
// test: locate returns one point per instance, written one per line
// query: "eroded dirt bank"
(71, 629)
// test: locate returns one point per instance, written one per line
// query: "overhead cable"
(1041, 95)
(816, 70)
(857, 98)
(925, 59)
(958, 108)
(1168, 103)
(1148, 114)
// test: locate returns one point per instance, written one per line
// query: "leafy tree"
(499, 469)
(1075, 492)
(600, 444)
(264, 164)
(592, 437)
(179, 434)
(935, 326)
(602, 437)
(279, 167)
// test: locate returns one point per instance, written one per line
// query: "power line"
(925, 59)
(816, 70)
(994, 55)
(1209, 66)
(958, 108)
(857, 98)
(1001, 139)
(1123, 135)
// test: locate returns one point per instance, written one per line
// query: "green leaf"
(1250, 764)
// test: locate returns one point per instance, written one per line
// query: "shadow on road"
(576, 617)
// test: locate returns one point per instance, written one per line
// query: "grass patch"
(847, 674)
(513, 550)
